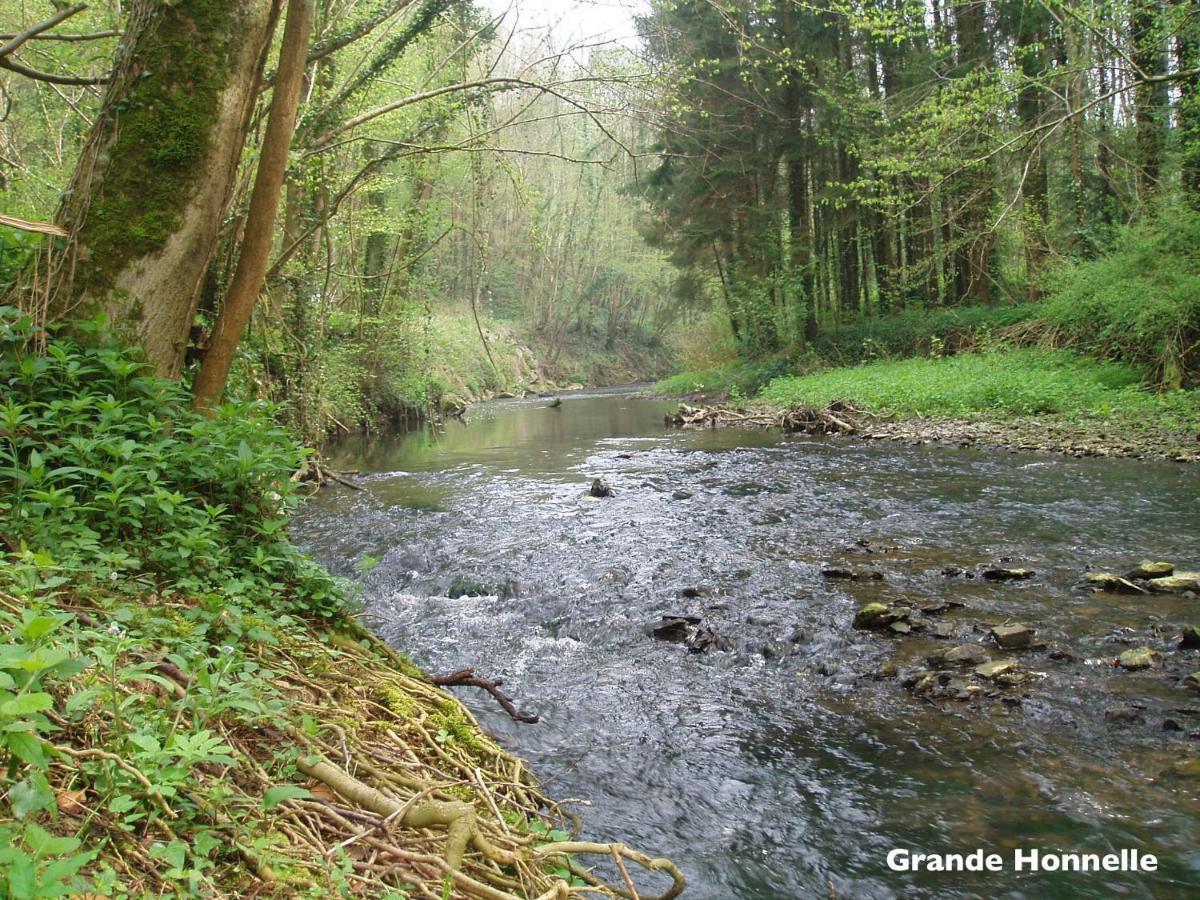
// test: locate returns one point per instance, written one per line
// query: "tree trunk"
(260, 223)
(145, 204)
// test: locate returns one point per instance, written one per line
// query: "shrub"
(1141, 303)
(106, 471)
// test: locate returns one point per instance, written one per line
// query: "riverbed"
(788, 758)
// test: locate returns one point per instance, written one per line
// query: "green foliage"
(916, 332)
(1000, 383)
(1141, 303)
(16, 249)
(743, 379)
(105, 471)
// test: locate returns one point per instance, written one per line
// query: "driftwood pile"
(837, 418)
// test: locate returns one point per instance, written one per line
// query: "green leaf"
(276, 795)
(30, 795)
(26, 747)
(44, 844)
(26, 704)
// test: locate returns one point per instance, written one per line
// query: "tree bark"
(145, 204)
(264, 201)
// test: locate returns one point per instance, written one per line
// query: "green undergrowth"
(1140, 304)
(998, 384)
(737, 380)
(168, 659)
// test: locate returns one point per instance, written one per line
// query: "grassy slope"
(1000, 384)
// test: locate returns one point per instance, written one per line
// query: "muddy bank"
(1041, 434)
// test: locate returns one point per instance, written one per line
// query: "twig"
(467, 678)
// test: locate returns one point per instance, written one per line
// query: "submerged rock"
(1013, 637)
(1176, 584)
(1115, 584)
(773, 650)
(466, 586)
(1190, 639)
(1188, 768)
(1146, 570)
(962, 655)
(957, 572)
(1139, 658)
(936, 609)
(1193, 682)
(1008, 574)
(1123, 715)
(673, 628)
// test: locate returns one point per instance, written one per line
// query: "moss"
(163, 126)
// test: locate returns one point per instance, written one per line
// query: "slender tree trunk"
(260, 224)
(1150, 99)
(153, 181)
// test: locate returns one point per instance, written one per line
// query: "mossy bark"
(154, 180)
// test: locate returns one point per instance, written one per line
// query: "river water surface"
(792, 774)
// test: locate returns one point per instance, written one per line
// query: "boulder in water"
(1175, 584)
(1138, 658)
(962, 655)
(1013, 637)
(676, 629)
(1123, 715)
(1114, 584)
(1008, 574)
(996, 668)
(600, 488)
(1190, 639)
(852, 574)
(1193, 682)
(1147, 569)
(874, 616)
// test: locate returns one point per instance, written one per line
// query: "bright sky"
(572, 20)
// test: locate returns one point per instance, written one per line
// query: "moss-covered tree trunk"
(144, 207)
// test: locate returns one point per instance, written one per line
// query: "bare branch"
(34, 30)
(50, 77)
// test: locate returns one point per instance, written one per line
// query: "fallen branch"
(833, 419)
(468, 678)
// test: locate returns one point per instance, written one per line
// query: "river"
(792, 774)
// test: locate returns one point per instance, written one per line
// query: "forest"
(238, 236)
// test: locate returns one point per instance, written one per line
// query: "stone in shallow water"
(1190, 639)
(1193, 681)
(900, 627)
(1114, 584)
(996, 668)
(962, 655)
(873, 615)
(1123, 715)
(853, 574)
(1008, 574)
(1013, 637)
(1188, 768)
(1147, 569)
(1176, 584)
(1138, 658)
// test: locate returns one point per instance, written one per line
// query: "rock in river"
(1139, 658)
(1176, 584)
(1008, 574)
(1190, 639)
(853, 574)
(874, 616)
(1013, 637)
(1115, 584)
(600, 488)
(962, 655)
(996, 668)
(1193, 682)
(1147, 569)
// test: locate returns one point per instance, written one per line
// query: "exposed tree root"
(402, 789)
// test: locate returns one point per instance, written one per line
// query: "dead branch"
(468, 678)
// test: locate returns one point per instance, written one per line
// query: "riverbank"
(1028, 400)
(187, 704)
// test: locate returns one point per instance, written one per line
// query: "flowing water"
(792, 774)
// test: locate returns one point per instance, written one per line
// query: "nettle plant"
(107, 473)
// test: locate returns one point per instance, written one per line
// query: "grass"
(996, 385)
(741, 379)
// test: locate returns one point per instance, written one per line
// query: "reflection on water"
(790, 776)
